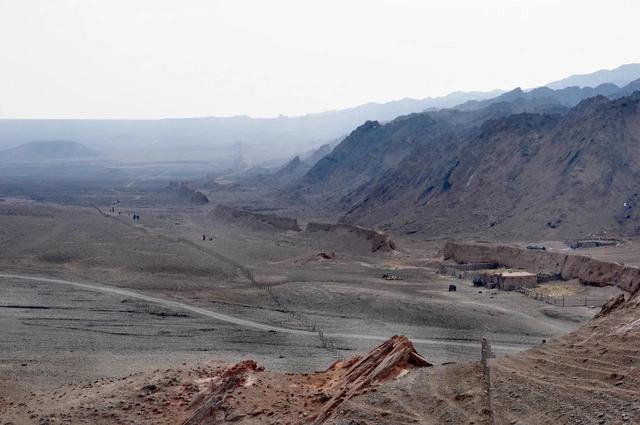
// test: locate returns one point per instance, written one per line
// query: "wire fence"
(564, 300)
(312, 326)
(327, 343)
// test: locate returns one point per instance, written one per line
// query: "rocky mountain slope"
(510, 168)
(346, 174)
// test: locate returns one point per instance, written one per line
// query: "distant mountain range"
(566, 97)
(265, 141)
(620, 76)
(242, 142)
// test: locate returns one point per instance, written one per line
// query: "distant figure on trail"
(204, 238)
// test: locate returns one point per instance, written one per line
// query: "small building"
(491, 276)
(512, 280)
(506, 279)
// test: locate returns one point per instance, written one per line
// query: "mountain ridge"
(620, 76)
(507, 168)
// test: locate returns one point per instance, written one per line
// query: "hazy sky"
(161, 58)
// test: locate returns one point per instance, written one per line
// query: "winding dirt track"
(506, 348)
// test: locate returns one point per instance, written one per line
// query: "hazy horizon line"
(325, 111)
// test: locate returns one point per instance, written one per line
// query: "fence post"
(485, 354)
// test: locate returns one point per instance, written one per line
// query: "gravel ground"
(51, 333)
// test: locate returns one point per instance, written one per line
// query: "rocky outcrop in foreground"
(215, 393)
(386, 361)
(318, 395)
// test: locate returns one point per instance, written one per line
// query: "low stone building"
(492, 276)
(507, 279)
(512, 280)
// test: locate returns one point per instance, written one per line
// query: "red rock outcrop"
(386, 361)
(208, 404)
(245, 392)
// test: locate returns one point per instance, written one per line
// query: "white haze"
(160, 58)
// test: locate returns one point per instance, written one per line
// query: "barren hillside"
(514, 175)
(524, 174)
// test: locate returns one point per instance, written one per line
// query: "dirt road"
(505, 348)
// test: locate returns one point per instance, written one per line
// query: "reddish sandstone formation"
(209, 403)
(212, 393)
(386, 361)
(243, 393)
